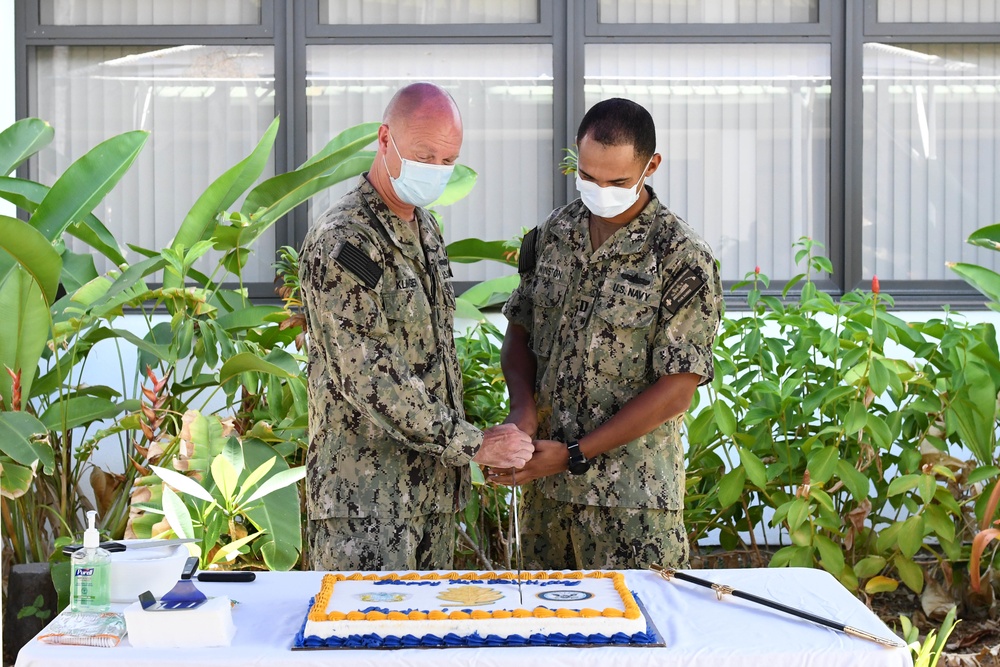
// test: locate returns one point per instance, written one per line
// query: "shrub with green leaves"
(842, 425)
(484, 525)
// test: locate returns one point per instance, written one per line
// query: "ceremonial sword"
(721, 589)
(517, 533)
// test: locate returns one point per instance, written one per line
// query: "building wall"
(7, 114)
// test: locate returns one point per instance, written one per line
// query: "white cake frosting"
(483, 604)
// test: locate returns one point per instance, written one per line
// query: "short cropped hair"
(618, 121)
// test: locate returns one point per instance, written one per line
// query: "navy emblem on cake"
(565, 595)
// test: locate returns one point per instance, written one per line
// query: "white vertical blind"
(931, 171)
(205, 107)
(744, 134)
(504, 92)
(938, 11)
(149, 12)
(708, 11)
(427, 12)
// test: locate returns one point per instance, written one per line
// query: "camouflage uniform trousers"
(425, 542)
(567, 536)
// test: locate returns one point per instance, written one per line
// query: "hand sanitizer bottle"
(90, 589)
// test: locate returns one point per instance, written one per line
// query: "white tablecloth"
(698, 630)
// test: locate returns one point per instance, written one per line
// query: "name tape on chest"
(683, 289)
(358, 263)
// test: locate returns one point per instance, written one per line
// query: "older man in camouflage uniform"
(610, 333)
(389, 446)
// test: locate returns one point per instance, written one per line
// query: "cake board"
(651, 630)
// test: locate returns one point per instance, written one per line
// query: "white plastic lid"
(91, 538)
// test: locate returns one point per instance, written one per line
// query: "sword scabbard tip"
(882, 641)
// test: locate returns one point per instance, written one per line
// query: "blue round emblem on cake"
(565, 595)
(381, 596)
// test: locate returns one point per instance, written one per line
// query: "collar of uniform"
(399, 232)
(636, 238)
(633, 238)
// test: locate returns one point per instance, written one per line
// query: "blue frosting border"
(473, 640)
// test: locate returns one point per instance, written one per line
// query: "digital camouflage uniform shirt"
(604, 326)
(387, 434)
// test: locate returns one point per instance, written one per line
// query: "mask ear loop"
(642, 179)
(398, 154)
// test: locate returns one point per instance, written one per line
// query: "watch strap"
(578, 463)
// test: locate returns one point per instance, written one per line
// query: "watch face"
(578, 467)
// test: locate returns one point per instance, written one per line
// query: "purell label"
(84, 572)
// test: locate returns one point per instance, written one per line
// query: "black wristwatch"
(578, 463)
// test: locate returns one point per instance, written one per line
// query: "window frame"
(35, 29)
(291, 26)
(821, 27)
(32, 35)
(824, 31)
(863, 28)
(541, 28)
(909, 32)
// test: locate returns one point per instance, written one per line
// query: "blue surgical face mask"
(419, 183)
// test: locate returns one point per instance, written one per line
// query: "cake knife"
(517, 533)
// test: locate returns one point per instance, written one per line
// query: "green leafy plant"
(928, 652)
(216, 342)
(983, 279)
(484, 526)
(37, 610)
(41, 414)
(230, 486)
(569, 162)
(817, 417)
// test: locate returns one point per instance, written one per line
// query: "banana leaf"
(24, 329)
(220, 195)
(22, 140)
(33, 252)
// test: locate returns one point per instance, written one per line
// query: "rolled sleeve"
(465, 442)
(519, 308)
(684, 341)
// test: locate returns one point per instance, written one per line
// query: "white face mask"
(419, 183)
(610, 201)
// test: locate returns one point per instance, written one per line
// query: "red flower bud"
(756, 269)
(874, 284)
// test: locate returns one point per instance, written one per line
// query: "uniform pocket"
(408, 305)
(547, 315)
(619, 343)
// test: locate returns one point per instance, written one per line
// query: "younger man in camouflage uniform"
(610, 333)
(388, 443)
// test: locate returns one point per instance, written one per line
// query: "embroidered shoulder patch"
(357, 262)
(685, 286)
(526, 260)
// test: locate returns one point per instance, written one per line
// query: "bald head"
(422, 126)
(421, 99)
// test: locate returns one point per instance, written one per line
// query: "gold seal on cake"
(470, 595)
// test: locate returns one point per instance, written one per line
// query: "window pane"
(205, 107)
(931, 137)
(938, 11)
(504, 92)
(708, 11)
(744, 134)
(426, 12)
(139, 12)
